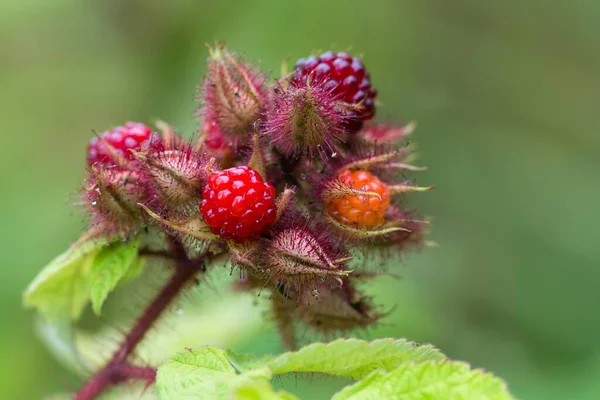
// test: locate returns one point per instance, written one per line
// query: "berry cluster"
(286, 178)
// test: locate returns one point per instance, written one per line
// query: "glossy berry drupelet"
(237, 204)
(358, 210)
(131, 136)
(347, 77)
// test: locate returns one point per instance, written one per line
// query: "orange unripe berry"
(362, 211)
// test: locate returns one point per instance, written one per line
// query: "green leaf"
(203, 374)
(88, 271)
(134, 271)
(353, 358)
(136, 390)
(260, 390)
(428, 380)
(61, 289)
(59, 338)
(111, 266)
(247, 362)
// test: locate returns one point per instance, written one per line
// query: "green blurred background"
(506, 94)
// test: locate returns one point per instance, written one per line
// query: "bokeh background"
(506, 94)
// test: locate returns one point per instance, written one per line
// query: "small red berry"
(215, 140)
(131, 136)
(215, 143)
(347, 77)
(361, 211)
(237, 204)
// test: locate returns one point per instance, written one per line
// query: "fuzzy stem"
(117, 370)
(115, 374)
(135, 372)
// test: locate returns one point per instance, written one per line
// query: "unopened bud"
(298, 258)
(305, 119)
(177, 177)
(112, 197)
(337, 309)
(233, 94)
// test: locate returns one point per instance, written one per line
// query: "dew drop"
(180, 311)
(94, 202)
(333, 155)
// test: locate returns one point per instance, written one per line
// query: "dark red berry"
(131, 136)
(237, 204)
(347, 77)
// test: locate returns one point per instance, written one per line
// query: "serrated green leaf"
(260, 390)
(428, 380)
(87, 271)
(203, 374)
(353, 358)
(134, 271)
(247, 362)
(111, 265)
(61, 289)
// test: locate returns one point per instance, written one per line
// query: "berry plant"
(290, 184)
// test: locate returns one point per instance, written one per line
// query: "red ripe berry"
(237, 204)
(131, 136)
(215, 140)
(216, 143)
(347, 77)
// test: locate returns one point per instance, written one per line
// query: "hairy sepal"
(385, 133)
(111, 196)
(301, 256)
(337, 309)
(246, 257)
(413, 229)
(233, 93)
(192, 228)
(305, 119)
(175, 175)
(327, 310)
(336, 189)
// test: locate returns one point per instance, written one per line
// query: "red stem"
(134, 372)
(116, 370)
